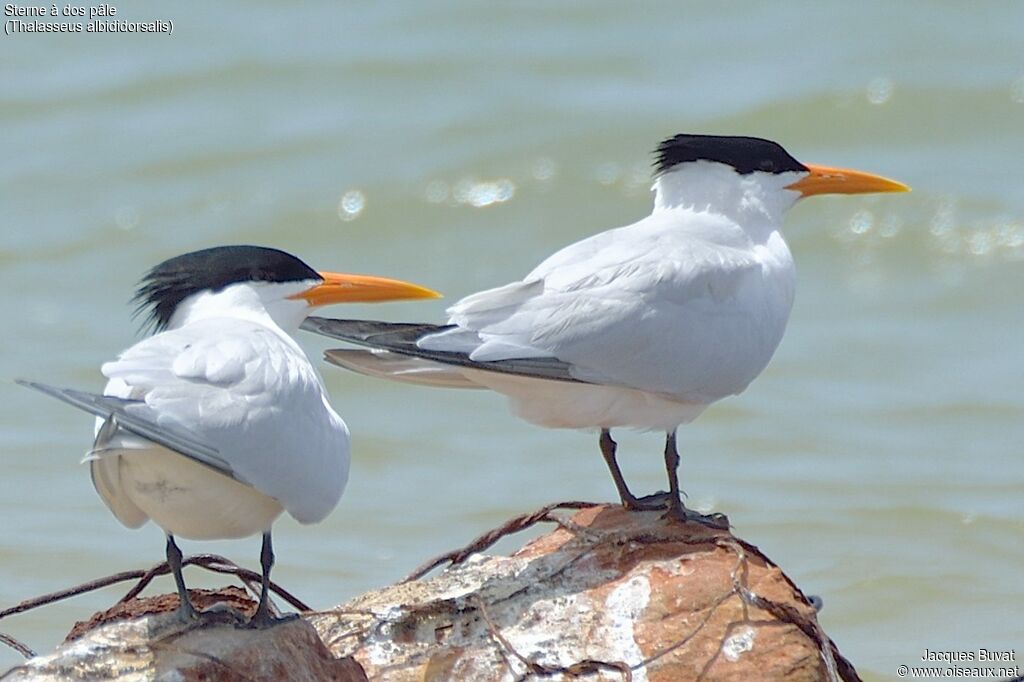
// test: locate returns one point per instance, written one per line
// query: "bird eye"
(768, 166)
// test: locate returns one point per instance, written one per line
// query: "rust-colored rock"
(234, 598)
(620, 595)
(608, 595)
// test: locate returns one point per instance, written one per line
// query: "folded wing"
(135, 417)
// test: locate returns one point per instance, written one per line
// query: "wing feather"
(681, 304)
(623, 307)
(677, 305)
(134, 416)
(403, 339)
(242, 389)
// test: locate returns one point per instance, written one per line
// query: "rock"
(158, 647)
(228, 597)
(607, 595)
(615, 594)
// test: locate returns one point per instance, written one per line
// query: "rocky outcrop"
(613, 594)
(607, 595)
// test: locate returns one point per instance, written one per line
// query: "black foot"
(222, 613)
(656, 502)
(187, 614)
(680, 513)
(262, 620)
(218, 614)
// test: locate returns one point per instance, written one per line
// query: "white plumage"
(641, 326)
(245, 388)
(218, 423)
(686, 305)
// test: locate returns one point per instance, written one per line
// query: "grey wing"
(116, 412)
(402, 338)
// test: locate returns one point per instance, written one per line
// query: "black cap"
(170, 282)
(745, 154)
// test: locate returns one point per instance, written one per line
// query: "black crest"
(174, 280)
(745, 154)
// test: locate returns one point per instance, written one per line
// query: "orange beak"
(342, 288)
(825, 180)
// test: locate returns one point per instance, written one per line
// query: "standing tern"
(219, 422)
(642, 326)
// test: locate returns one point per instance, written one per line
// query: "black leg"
(629, 500)
(608, 447)
(675, 499)
(263, 618)
(185, 610)
(676, 509)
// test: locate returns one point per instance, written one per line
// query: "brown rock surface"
(232, 597)
(607, 595)
(618, 595)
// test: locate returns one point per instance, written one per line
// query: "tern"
(217, 423)
(642, 326)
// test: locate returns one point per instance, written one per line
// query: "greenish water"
(878, 459)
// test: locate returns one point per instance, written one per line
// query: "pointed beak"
(825, 180)
(343, 288)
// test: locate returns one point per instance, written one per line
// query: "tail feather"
(403, 368)
(403, 339)
(391, 335)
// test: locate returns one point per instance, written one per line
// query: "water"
(455, 144)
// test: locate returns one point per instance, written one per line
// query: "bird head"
(234, 280)
(724, 171)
